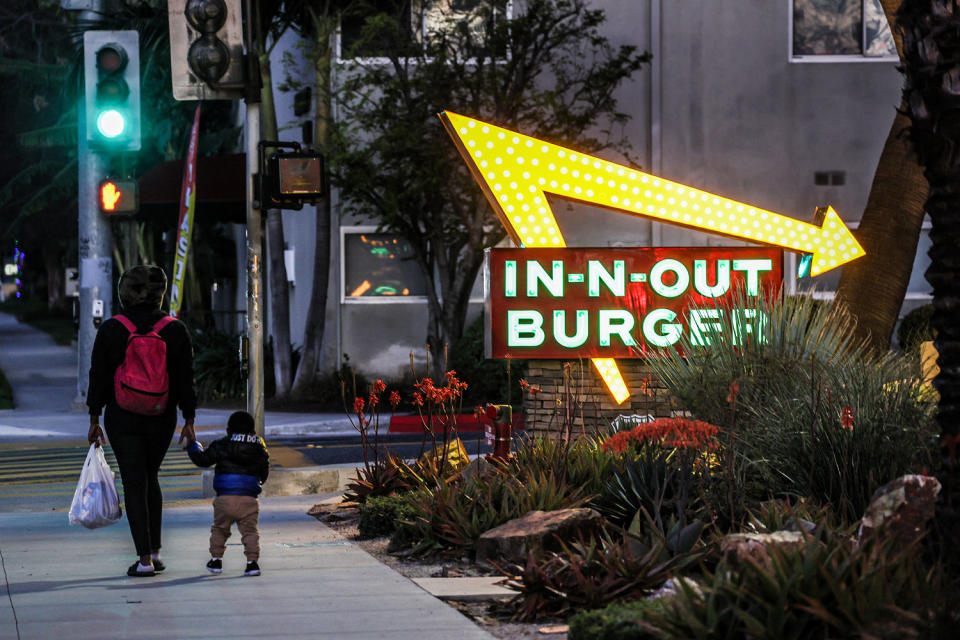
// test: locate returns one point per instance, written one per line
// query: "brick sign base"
(573, 398)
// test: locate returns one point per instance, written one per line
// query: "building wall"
(721, 108)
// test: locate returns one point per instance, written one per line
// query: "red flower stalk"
(417, 399)
(846, 418)
(379, 387)
(678, 433)
(732, 392)
(394, 399)
(358, 406)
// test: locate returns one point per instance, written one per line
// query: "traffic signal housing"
(111, 69)
(206, 49)
(118, 196)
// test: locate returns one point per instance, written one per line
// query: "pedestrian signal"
(118, 196)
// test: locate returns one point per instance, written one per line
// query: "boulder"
(512, 540)
(738, 548)
(901, 509)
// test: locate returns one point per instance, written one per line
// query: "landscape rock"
(738, 548)
(513, 539)
(901, 509)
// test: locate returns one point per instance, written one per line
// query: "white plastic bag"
(95, 502)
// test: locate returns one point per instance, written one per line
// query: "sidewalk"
(68, 582)
(43, 376)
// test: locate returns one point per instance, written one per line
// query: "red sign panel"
(619, 302)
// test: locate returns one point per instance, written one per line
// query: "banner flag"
(188, 202)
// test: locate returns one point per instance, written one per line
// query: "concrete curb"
(299, 481)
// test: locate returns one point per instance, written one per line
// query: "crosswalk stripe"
(64, 463)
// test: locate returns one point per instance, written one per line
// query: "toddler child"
(242, 464)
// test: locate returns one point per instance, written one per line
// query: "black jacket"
(110, 347)
(242, 460)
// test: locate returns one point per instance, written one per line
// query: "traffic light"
(206, 49)
(118, 196)
(112, 89)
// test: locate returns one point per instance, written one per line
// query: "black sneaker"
(253, 569)
(215, 565)
(158, 565)
(134, 572)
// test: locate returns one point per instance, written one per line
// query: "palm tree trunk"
(889, 231)
(276, 268)
(324, 24)
(930, 95)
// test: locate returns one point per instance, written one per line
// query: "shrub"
(662, 471)
(216, 365)
(6, 393)
(915, 328)
(816, 412)
(828, 588)
(452, 516)
(379, 515)
(617, 621)
(594, 571)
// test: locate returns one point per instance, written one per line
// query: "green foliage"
(915, 328)
(6, 393)
(381, 477)
(591, 573)
(379, 515)
(796, 386)
(616, 621)
(488, 378)
(392, 158)
(216, 366)
(452, 516)
(580, 462)
(828, 588)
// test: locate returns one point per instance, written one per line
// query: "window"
(378, 266)
(415, 18)
(840, 30)
(824, 287)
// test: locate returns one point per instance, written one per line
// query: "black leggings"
(139, 445)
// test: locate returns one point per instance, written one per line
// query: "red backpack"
(142, 384)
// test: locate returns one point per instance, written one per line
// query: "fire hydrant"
(499, 433)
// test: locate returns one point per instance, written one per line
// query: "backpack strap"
(161, 323)
(125, 321)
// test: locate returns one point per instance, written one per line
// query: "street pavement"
(43, 376)
(61, 581)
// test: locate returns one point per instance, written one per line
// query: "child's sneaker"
(215, 565)
(253, 569)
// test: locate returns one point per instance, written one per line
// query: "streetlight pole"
(255, 392)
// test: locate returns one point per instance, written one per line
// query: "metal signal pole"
(94, 240)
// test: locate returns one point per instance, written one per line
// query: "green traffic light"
(111, 123)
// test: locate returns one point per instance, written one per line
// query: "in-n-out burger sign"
(517, 172)
(620, 302)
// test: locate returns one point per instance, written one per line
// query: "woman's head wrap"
(142, 288)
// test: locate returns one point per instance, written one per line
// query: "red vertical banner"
(188, 205)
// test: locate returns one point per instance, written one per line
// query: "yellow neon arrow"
(516, 171)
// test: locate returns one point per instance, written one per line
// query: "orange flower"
(379, 386)
(846, 418)
(358, 405)
(676, 433)
(732, 392)
(417, 399)
(394, 398)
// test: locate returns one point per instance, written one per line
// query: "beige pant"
(244, 510)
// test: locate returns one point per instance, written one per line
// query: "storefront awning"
(221, 189)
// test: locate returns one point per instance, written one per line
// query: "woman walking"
(141, 369)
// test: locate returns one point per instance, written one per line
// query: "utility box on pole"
(206, 49)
